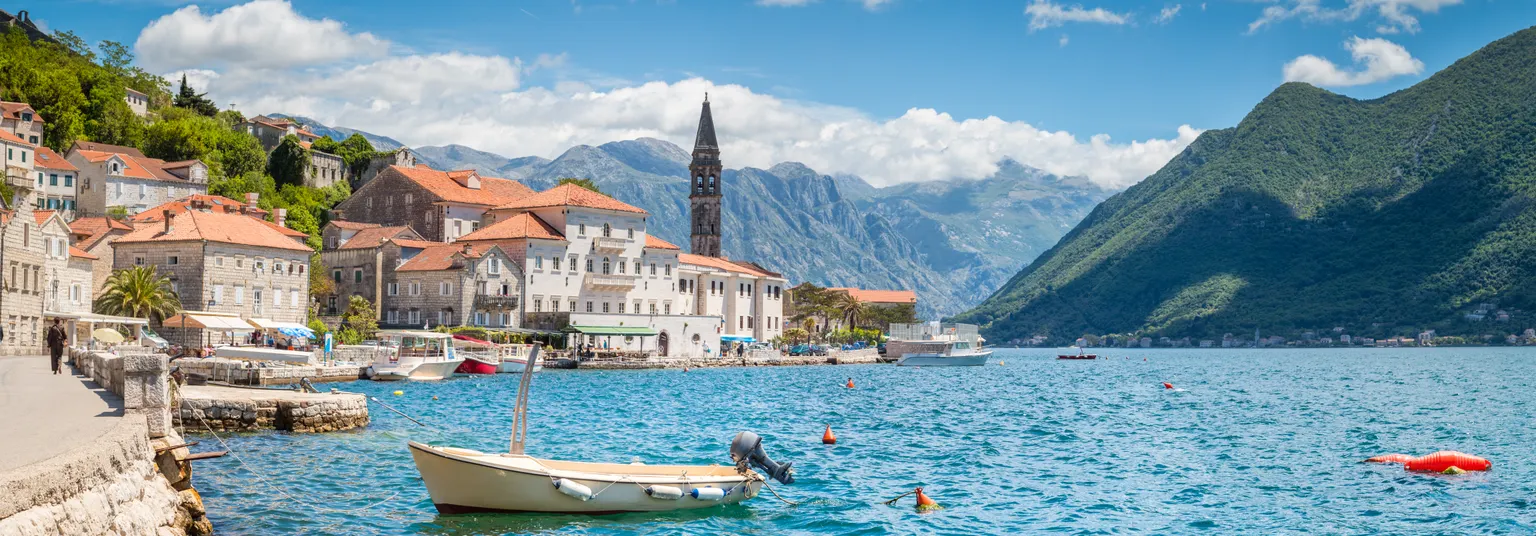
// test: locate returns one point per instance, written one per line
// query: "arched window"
(606, 265)
(607, 231)
(699, 184)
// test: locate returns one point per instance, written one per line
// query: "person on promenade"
(56, 338)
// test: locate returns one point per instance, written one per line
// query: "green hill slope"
(1316, 211)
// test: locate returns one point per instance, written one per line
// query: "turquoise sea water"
(1255, 442)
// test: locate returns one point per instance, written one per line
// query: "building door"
(661, 344)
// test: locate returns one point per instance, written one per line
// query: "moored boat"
(414, 355)
(939, 354)
(1079, 355)
(480, 357)
(514, 357)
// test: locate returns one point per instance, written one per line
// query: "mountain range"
(952, 241)
(1317, 211)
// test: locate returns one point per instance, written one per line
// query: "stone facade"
(130, 182)
(22, 257)
(239, 410)
(392, 199)
(399, 157)
(20, 119)
(358, 270)
(480, 289)
(270, 131)
(325, 169)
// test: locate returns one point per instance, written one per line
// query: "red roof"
(216, 227)
(721, 264)
(94, 229)
(656, 243)
(12, 110)
(879, 296)
(571, 195)
(521, 226)
(492, 192)
(47, 159)
(352, 225)
(418, 244)
(77, 252)
(82, 145)
(440, 257)
(217, 203)
(373, 236)
(42, 216)
(6, 135)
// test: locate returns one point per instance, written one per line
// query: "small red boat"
(480, 357)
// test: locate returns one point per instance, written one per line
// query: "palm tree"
(139, 292)
(849, 307)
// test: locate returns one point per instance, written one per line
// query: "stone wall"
(142, 380)
(234, 412)
(237, 373)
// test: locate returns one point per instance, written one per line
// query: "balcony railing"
(606, 243)
(18, 176)
(492, 301)
(613, 282)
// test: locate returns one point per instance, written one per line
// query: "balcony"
(609, 244)
(494, 302)
(612, 282)
(19, 177)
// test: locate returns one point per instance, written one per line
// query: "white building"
(55, 182)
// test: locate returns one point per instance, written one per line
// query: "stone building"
(205, 202)
(325, 168)
(137, 101)
(222, 263)
(66, 269)
(19, 119)
(94, 236)
(399, 157)
(439, 205)
(704, 197)
(361, 259)
(22, 254)
(455, 285)
(113, 178)
(55, 182)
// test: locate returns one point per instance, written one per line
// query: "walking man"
(57, 338)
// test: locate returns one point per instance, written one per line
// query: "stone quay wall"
(237, 372)
(228, 410)
(142, 380)
(768, 358)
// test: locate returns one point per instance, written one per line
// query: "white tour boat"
(416, 355)
(462, 481)
(514, 357)
(939, 354)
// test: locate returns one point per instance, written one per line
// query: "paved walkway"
(43, 415)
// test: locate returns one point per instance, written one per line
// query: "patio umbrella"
(109, 336)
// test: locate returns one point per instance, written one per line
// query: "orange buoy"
(1389, 458)
(1167, 385)
(827, 438)
(925, 503)
(1445, 459)
(850, 383)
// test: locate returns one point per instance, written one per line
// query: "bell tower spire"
(704, 193)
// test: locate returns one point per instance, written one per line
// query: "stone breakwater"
(755, 359)
(233, 409)
(236, 372)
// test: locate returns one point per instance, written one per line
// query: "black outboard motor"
(747, 447)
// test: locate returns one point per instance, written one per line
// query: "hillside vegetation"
(1316, 211)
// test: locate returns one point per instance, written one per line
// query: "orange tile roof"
(373, 236)
(216, 227)
(571, 195)
(94, 229)
(522, 225)
(656, 243)
(352, 225)
(12, 138)
(439, 257)
(443, 185)
(47, 159)
(13, 110)
(135, 164)
(286, 231)
(418, 244)
(879, 296)
(77, 252)
(216, 203)
(721, 264)
(42, 216)
(82, 145)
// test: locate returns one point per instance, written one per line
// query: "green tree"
(139, 292)
(289, 162)
(189, 99)
(184, 135)
(361, 321)
(584, 183)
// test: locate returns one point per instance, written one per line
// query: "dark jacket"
(57, 337)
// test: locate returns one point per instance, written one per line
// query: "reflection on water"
(1254, 441)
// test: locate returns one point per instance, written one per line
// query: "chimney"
(282, 216)
(469, 250)
(250, 201)
(167, 215)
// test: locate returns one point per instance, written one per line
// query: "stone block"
(145, 363)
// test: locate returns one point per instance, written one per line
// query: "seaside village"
(427, 248)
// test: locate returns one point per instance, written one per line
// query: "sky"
(890, 90)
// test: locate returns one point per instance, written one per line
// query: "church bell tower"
(704, 195)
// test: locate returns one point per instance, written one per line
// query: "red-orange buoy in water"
(850, 383)
(1389, 458)
(827, 438)
(925, 503)
(1445, 459)
(1167, 385)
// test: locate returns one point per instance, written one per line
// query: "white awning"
(207, 321)
(97, 318)
(265, 323)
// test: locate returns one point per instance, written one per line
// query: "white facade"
(460, 220)
(56, 190)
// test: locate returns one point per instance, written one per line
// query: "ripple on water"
(1260, 442)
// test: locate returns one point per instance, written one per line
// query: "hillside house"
(55, 182)
(115, 178)
(439, 205)
(361, 260)
(19, 119)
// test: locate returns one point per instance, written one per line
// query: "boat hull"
(1083, 356)
(515, 365)
(475, 366)
(461, 481)
(937, 360)
(424, 371)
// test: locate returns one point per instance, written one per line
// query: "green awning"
(624, 331)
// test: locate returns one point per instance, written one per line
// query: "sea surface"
(1249, 441)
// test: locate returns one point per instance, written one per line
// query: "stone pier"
(237, 372)
(235, 409)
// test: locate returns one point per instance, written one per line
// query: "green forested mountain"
(1316, 211)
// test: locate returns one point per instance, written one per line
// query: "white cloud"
(1168, 13)
(1045, 14)
(262, 33)
(871, 5)
(875, 4)
(478, 101)
(1396, 15)
(1381, 60)
(1063, 41)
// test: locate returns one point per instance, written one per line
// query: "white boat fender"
(708, 494)
(664, 492)
(573, 489)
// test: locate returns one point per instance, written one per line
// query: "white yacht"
(415, 355)
(941, 354)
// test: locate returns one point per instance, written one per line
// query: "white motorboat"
(468, 481)
(414, 355)
(514, 357)
(939, 354)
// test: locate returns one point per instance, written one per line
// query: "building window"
(605, 266)
(607, 231)
(605, 307)
(336, 275)
(415, 288)
(589, 306)
(555, 261)
(53, 179)
(277, 298)
(653, 308)
(666, 309)
(494, 267)
(573, 305)
(621, 266)
(653, 268)
(218, 261)
(415, 316)
(637, 267)
(357, 275)
(393, 316)
(749, 322)
(631, 233)
(538, 304)
(69, 180)
(554, 305)
(668, 271)
(589, 265)
(445, 288)
(621, 307)
(394, 289)
(239, 295)
(138, 261)
(293, 297)
(172, 260)
(538, 262)
(581, 229)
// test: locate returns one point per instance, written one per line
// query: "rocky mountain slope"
(1316, 211)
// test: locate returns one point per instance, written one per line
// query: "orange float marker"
(827, 438)
(850, 383)
(1440, 461)
(1167, 385)
(1389, 458)
(925, 503)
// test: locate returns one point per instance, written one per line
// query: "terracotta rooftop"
(89, 231)
(139, 167)
(879, 296)
(492, 192)
(418, 244)
(6, 136)
(47, 159)
(656, 243)
(352, 225)
(216, 227)
(42, 216)
(721, 264)
(81, 254)
(439, 257)
(523, 225)
(216, 203)
(571, 195)
(12, 110)
(82, 145)
(373, 236)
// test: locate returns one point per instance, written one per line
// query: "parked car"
(800, 349)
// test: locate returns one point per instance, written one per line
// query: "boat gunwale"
(653, 478)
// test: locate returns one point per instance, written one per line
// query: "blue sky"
(1112, 67)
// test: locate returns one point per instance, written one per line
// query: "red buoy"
(923, 502)
(1389, 458)
(827, 438)
(850, 383)
(1445, 459)
(1167, 385)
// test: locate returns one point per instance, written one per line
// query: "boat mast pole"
(520, 410)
